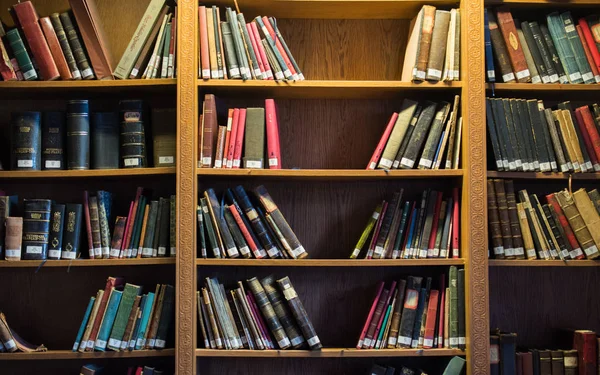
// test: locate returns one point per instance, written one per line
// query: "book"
(76, 44)
(55, 241)
(36, 228)
(104, 140)
(25, 140)
(130, 292)
(53, 140)
(133, 137)
(21, 55)
(13, 238)
(55, 48)
(84, 322)
(65, 46)
(164, 128)
(437, 49)
(78, 135)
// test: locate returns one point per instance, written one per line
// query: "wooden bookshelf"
(87, 263)
(68, 354)
(90, 173)
(330, 353)
(544, 175)
(329, 262)
(330, 174)
(543, 263)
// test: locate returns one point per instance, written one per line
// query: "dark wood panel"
(540, 303)
(72, 367)
(46, 307)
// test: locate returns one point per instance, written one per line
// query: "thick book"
(507, 344)
(13, 238)
(133, 137)
(272, 130)
(166, 317)
(53, 140)
(435, 63)
(8, 206)
(409, 311)
(513, 46)
(36, 228)
(427, 160)
(268, 312)
(64, 45)
(105, 140)
(299, 312)
(577, 48)
(57, 221)
(21, 55)
(26, 141)
(55, 48)
(254, 138)
(78, 135)
(563, 47)
(571, 362)
(164, 140)
(130, 292)
(208, 131)
(428, 115)
(75, 41)
(590, 216)
(495, 230)
(425, 36)
(72, 231)
(585, 343)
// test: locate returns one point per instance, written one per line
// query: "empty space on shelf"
(47, 307)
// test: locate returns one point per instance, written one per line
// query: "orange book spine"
(239, 139)
(245, 232)
(515, 50)
(588, 53)
(431, 317)
(55, 49)
(143, 236)
(204, 54)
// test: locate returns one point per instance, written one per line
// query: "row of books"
(93, 369)
(403, 230)
(11, 342)
(410, 314)
(54, 47)
(244, 132)
(454, 367)
(582, 359)
(121, 318)
(268, 316)
(526, 136)
(567, 227)
(433, 48)
(234, 49)
(245, 226)
(423, 135)
(559, 52)
(80, 140)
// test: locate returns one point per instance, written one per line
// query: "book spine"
(426, 34)
(53, 140)
(553, 54)
(427, 156)
(515, 50)
(382, 142)
(78, 135)
(117, 331)
(577, 48)
(515, 229)
(249, 50)
(117, 238)
(438, 46)
(494, 222)
(588, 54)
(428, 115)
(57, 220)
(500, 50)
(563, 47)
(489, 58)
(273, 150)
(107, 320)
(36, 229)
(13, 239)
(239, 140)
(588, 38)
(84, 322)
(105, 140)
(64, 45)
(299, 312)
(166, 317)
(95, 223)
(76, 47)
(267, 309)
(576, 221)
(133, 138)
(409, 312)
(546, 52)
(26, 142)
(21, 55)
(261, 50)
(281, 311)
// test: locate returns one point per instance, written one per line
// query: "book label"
(236, 163)
(76, 74)
(564, 168)
(139, 342)
(214, 74)
(287, 73)
(505, 163)
(434, 73)
(10, 344)
(166, 160)
(24, 163)
(367, 342)
(115, 252)
(427, 343)
(508, 77)
(82, 346)
(54, 253)
(173, 251)
(597, 78)
(254, 164)
(597, 167)
(30, 74)
(87, 73)
(273, 162)
(100, 344)
(290, 293)
(151, 342)
(403, 340)
(385, 162)
(407, 162)
(233, 252)
(206, 160)
(565, 253)
(422, 253)
(285, 342)
(591, 250)
(491, 74)
(33, 249)
(588, 165)
(147, 251)
(114, 343)
(52, 164)
(453, 341)
(392, 341)
(519, 164)
(313, 340)
(159, 343)
(576, 165)
(523, 74)
(13, 253)
(162, 250)
(509, 252)
(462, 341)
(98, 252)
(426, 163)
(536, 79)
(90, 344)
(68, 255)
(512, 166)
(419, 74)
(378, 250)
(245, 250)
(570, 28)
(553, 165)
(273, 252)
(589, 76)
(279, 75)
(499, 164)
(443, 253)
(297, 251)
(297, 340)
(575, 76)
(545, 167)
(131, 162)
(576, 252)
(519, 251)
(206, 73)
(499, 250)
(546, 79)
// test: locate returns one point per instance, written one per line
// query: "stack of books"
(11, 342)
(72, 45)
(421, 135)
(222, 146)
(234, 49)
(433, 48)
(268, 316)
(409, 314)
(526, 136)
(120, 318)
(403, 230)
(245, 227)
(567, 227)
(559, 52)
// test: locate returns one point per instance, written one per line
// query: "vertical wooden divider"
(187, 92)
(474, 213)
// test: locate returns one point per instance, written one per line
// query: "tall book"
(133, 137)
(78, 135)
(53, 140)
(515, 50)
(36, 228)
(164, 141)
(26, 142)
(105, 140)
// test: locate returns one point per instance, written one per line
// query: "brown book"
(578, 225)
(13, 238)
(130, 322)
(392, 340)
(558, 362)
(155, 316)
(164, 136)
(209, 131)
(55, 49)
(513, 215)
(500, 49)
(595, 197)
(513, 46)
(571, 366)
(435, 65)
(424, 43)
(526, 232)
(507, 241)
(494, 222)
(10, 345)
(146, 52)
(220, 146)
(545, 362)
(589, 215)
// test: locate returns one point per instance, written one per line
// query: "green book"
(577, 47)
(84, 323)
(118, 330)
(150, 230)
(108, 319)
(453, 314)
(23, 59)
(165, 52)
(383, 325)
(254, 138)
(563, 47)
(455, 366)
(166, 317)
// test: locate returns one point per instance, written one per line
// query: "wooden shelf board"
(543, 176)
(89, 173)
(321, 89)
(68, 354)
(549, 87)
(88, 262)
(542, 263)
(85, 84)
(331, 353)
(542, 2)
(329, 262)
(331, 173)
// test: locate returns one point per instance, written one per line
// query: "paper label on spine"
(462, 341)
(10, 344)
(233, 252)
(159, 343)
(588, 165)
(425, 163)
(229, 164)
(147, 251)
(100, 344)
(564, 168)
(565, 253)
(519, 251)
(151, 343)
(54, 253)
(367, 342)
(270, 74)
(76, 74)
(29, 74)
(407, 162)
(234, 72)
(427, 343)
(508, 77)
(115, 252)
(114, 343)
(576, 252)
(273, 162)
(499, 164)
(131, 162)
(404, 340)
(443, 253)
(395, 165)
(453, 341)
(355, 253)
(313, 340)
(297, 251)
(372, 165)
(162, 250)
(52, 164)
(563, 79)
(545, 79)
(378, 250)
(597, 78)
(285, 342)
(392, 341)
(83, 345)
(591, 250)
(33, 249)
(385, 162)
(537, 79)
(236, 163)
(166, 159)
(245, 250)
(575, 76)
(139, 342)
(554, 78)
(253, 164)
(491, 74)
(90, 344)
(290, 293)
(422, 253)
(512, 166)
(553, 165)
(523, 74)
(545, 167)
(214, 74)
(273, 251)
(13, 253)
(279, 75)
(589, 76)
(24, 163)
(434, 73)
(206, 160)
(217, 163)
(509, 252)
(297, 340)
(419, 74)
(436, 252)
(570, 28)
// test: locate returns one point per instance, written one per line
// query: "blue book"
(108, 319)
(489, 57)
(140, 341)
(419, 318)
(508, 348)
(136, 328)
(411, 232)
(86, 317)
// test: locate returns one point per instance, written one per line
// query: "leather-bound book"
(570, 362)
(595, 198)
(585, 343)
(564, 48)
(420, 132)
(57, 220)
(133, 138)
(505, 224)
(299, 313)
(164, 141)
(72, 232)
(577, 48)
(515, 50)
(282, 312)
(430, 147)
(151, 230)
(546, 52)
(398, 133)
(271, 317)
(424, 41)
(78, 135)
(513, 216)
(95, 225)
(64, 45)
(208, 130)
(21, 55)
(558, 362)
(500, 49)
(553, 54)
(437, 52)
(507, 342)
(36, 228)
(526, 232)
(8, 206)
(13, 239)
(28, 22)
(130, 292)
(590, 216)
(535, 54)
(53, 140)
(519, 362)
(105, 140)
(26, 142)
(489, 57)
(409, 312)
(570, 236)
(117, 238)
(557, 231)
(55, 49)
(76, 46)
(236, 233)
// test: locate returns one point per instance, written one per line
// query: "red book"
(126, 232)
(6, 68)
(88, 223)
(130, 222)
(513, 46)
(585, 343)
(382, 142)
(576, 253)
(586, 137)
(227, 136)
(379, 311)
(261, 66)
(279, 46)
(261, 51)
(111, 282)
(385, 307)
(209, 130)
(139, 371)
(28, 21)
(370, 316)
(246, 233)
(55, 49)
(434, 227)
(455, 226)
(233, 138)
(239, 139)
(204, 54)
(432, 307)
(442, 308)
(590, 127)
(588, 39)
(273, 151)
(588, 54)
(376, 232)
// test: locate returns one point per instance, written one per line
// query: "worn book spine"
(105, 140)
(577, 48)
(55, 48)
(513, 46)
(570, 361)
(435, 63)
(577, 223)
(64, 45)
(535, 44)
(257, 224)
(26, 142)
(76, 46)
(57, 220)
(563, 47)
(104, 202)
(166, 317)
(505, 224)
(108, 320)
(494, 222)
(133, 138)
(553, 53)
(588, 54)
(78, 135)
(269, 313)
(528, 50)
(13, 239)
(95, 224)
(427, 156)
(557, 232)
(36, 228)
(282, 312)
(515, 229)
(88, 328)
(7, 206)
(547, 53)
(585, 344)
(428, 115)
(409, 311)
(589, 215)
(131, 320)
(130, 292)
(299, 313)
(53, 140)
(424, 46)
(500, 51)
(117, 238)
(84, 321)
(21, 55)
(230, 55)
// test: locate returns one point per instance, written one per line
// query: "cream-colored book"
(573, 161)
(456, 72)
(393, 144)
(449, 59)
(150, 66)
(412, 47)
(526, 232)
(574, 140)
(212, 44)
(435, 64)
(535, 76)
(590, 216)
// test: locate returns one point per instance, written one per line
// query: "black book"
(548, 121)
(462, 333)
(433, 138)
(237, 235)
(151, 229)
(535, 52)
(260, 252)
(542, 124)
(419, 224)
(558, 234)
(53, 140)
(57, 220)
(419, 133)
(230, 249)
(503, 132)
(163, 230)
(105, 140)
(517, 143)
(407, 136)
(212, 235)
(202, 242)
(411, 302)
(544, 51)
(25, 141)
(36, 228)
(552, 53)
(166, 317)
(386, 225)
(562, 140)
(78, 135)
(528, 130)
(537, 207)
(72, 231)
(429, 212)
(521, 132)
(494, 137)
(540, 144)
(133, 137)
